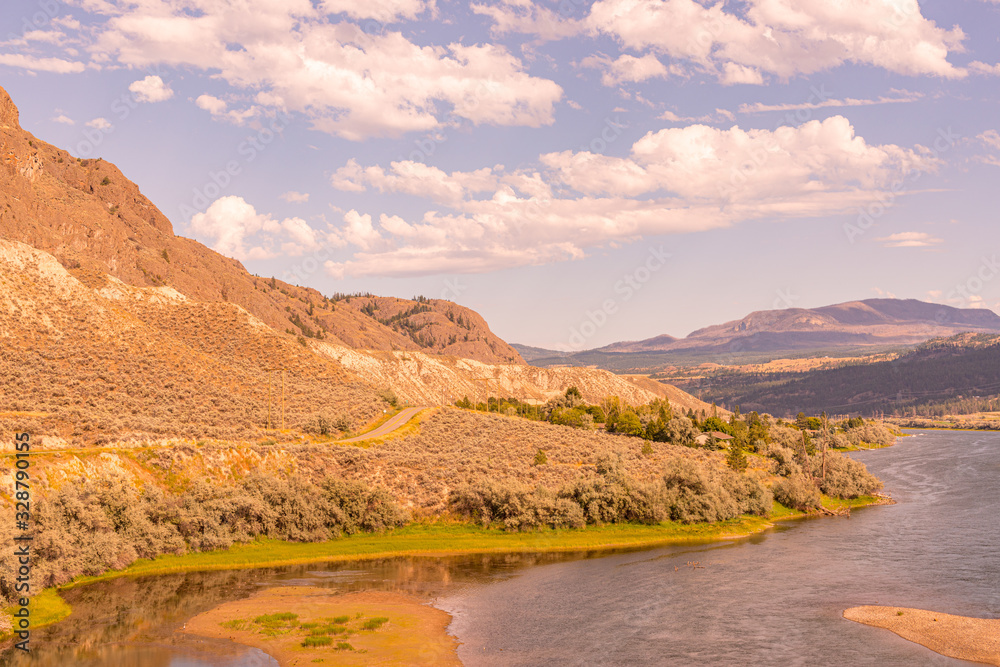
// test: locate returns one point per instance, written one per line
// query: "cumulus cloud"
(909, 240)
(234, 228)
(64, 119)
(626, 68)
(350, 82)
(99, 124)
(151, 89)
(674, 180)
(33, 64)
(294, 197)
(525, 17)
(778, 37)
(386, 11)
(991, 140)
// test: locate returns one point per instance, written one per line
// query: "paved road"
(393, 423)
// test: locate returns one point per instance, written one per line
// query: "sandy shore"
(415, 633)
(975, 639)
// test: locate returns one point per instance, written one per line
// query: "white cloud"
(784, 38)
(903, 98)
(211, 104)
(984, 68)
(294, 197)
(64, 119)
(414, 178)
(151, 89)
(627, 68)
(526, 17)
(99, 124)
(675, 180)
(991, 140)
(351, 83)
(909, 240)
(220, 109)
(990, 137)
(231, 225)
(386, 11)
(57, 65)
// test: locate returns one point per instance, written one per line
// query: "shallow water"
(773, 599)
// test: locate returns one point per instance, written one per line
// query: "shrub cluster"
(798, 492)
(107, 522)
(845, 477)
(688, 492)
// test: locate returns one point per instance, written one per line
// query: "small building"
(704, 438)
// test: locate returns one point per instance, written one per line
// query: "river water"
(772, 599)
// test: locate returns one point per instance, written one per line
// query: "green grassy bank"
(430, 539)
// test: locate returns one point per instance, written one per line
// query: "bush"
(515, 506)
(782, 460)
(695, 494)
(845, 477)
(797, 492)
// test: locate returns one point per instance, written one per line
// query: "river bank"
(439, 538)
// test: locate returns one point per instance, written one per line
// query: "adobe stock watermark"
(48, 10)
(869, 215)
(625, 289)
(756, 158)
(968, 293)
(121, 107)
(217, 182)
(453, 288)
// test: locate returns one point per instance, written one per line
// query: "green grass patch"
(340, 619)
(435, 539)
(309, 642)
(46, 608)
(374, 623)
(344, 646)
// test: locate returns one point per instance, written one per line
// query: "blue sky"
(577, 172)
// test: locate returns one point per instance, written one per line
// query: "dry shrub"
(797, 492)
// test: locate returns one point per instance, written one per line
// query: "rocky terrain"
(95, 221)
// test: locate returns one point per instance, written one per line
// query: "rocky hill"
(95, 221)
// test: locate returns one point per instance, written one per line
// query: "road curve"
(393, 423)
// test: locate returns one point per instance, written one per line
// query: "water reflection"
(774, 598)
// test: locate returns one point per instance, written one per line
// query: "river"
(772, 599)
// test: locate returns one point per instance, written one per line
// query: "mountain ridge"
(95, 221)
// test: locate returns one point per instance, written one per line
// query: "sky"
(577, 172)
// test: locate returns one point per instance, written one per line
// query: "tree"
(735, 457)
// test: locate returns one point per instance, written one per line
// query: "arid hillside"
(106, 361)
(95, 221)
(434, 379)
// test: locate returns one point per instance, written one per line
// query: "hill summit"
(95, 221)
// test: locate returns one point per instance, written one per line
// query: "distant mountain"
(845, 329)
(95, 221)
(956, 370)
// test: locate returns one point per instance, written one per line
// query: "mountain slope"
(940, 370)
(105, 362)
(95, 221)
(855, 328)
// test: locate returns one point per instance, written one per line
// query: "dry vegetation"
(96, 365)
